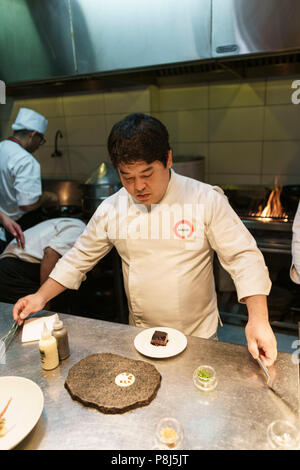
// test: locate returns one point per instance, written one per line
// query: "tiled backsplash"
(249, 132)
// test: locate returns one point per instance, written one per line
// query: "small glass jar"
(283, 435)
(204, 378)
(169, 434)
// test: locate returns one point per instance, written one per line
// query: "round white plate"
(176, 344)
(24, 410)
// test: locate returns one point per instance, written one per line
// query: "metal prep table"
(234, 416)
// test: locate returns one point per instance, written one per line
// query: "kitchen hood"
(63, 46)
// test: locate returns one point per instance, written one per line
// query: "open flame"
(273, 208)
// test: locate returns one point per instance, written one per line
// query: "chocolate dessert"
(159, 338)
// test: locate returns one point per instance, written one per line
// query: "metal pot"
(93, 195)
(192, 167)
(103, 182)
(68, 192)
(69, 197)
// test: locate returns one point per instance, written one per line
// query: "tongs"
(266, 372)
(7, 338)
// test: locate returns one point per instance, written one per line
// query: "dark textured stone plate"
(92, 382)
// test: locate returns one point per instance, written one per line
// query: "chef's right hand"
(26, 306)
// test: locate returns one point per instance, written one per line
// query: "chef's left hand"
(261, 341)
(14, 228)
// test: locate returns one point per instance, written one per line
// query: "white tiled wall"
(84, 121)
(249, 132)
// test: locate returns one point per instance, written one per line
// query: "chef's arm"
(259, 334)
(48, 262)
(35, 302)
(239, 255)
(70, 270)
(46, 199)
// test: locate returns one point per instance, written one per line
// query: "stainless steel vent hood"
(253, 26)
(72, 45)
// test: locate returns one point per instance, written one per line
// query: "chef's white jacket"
(295, 268)
(59, 234)
(20, 179)
(167, 254)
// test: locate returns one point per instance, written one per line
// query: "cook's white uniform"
(169, 277)
(59, 234)
(20, 179)
(295, 268)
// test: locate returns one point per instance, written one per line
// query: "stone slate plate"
(92, 382)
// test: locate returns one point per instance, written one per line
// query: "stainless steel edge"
(234, 416)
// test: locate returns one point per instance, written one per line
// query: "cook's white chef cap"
(30, 120)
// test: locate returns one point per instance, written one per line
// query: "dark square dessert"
(159, 338)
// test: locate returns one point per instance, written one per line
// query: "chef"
(166, 228)
(20, 175)
(295, 268)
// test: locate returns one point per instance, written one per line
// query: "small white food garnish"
(125, 379)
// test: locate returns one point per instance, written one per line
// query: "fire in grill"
(264, 203)
(273, 210)
(268, 213)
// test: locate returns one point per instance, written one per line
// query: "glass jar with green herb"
(205, 378)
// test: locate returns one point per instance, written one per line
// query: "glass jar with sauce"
(169, 434)
(283, 435)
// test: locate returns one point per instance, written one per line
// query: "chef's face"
(34, 141)
(146, 182)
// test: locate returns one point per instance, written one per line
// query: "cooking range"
(268, 213)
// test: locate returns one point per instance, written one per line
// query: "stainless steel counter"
(233, 416)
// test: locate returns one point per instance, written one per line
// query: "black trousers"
(19, 278)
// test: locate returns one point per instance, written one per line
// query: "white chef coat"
(169, 278)
(295, 268)
(20, 179)
(59, 234)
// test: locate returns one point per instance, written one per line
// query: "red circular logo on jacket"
(184, 229)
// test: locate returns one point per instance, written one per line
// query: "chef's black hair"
(138, 137)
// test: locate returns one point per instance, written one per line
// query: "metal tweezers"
(6, 339)
(260, 362)
(291, 408)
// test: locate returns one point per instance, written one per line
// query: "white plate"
(176, 344)
(24, 410)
